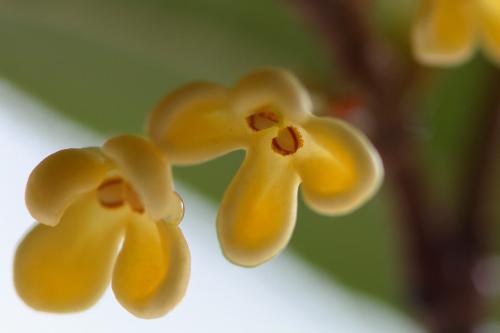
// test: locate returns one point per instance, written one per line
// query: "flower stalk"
(440, 262)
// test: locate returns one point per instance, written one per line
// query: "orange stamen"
(110, 193)
(264, 118)
(288, 141)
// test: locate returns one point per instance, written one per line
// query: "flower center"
(288, 141)
(115, 192)
(263, 118)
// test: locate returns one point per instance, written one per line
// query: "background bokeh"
(107, 63)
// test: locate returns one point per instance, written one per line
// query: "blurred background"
(105, 65)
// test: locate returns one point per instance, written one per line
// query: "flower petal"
(445, 31)
(276, 88)
(59, 179)
(257, 214)
(339, 167)
(194, 124)
(67, 268)
(152, 271)
(146, 168)
(490, 20)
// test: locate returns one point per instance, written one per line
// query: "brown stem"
(371, 66)
(467, 244)
(440, 266)
(483, 157)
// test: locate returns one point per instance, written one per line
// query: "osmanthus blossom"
(447, 32)
(86, 201)
(269, 114)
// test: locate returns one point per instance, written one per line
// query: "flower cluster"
(446, 32)
(87, 201)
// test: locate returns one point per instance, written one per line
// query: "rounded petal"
(490, 24)
(257, 214)
(152, 271)
(59, 179)
(146, 168)
(67, 267)
(339, 167)
(445, 31)
(275, 88)
(194, 124)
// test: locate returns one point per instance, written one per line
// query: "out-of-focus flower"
(267, 113)
(86, 201)
(446, 32)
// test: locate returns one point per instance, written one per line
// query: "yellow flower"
(446, 32)
(87, 200)
(267, 113)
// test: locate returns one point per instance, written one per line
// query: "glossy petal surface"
(146, 168)
(61, 178)
(152, 270)
(67, 267)
(445, 31)
(257, 213)
(193, 124)
(339, 167)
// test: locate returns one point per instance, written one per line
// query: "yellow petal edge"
(146, 168)
(67, 268)
(445, 32)
(339, 167)
(61, 178)
(152, 271)
(258, 212)
(194, 124)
